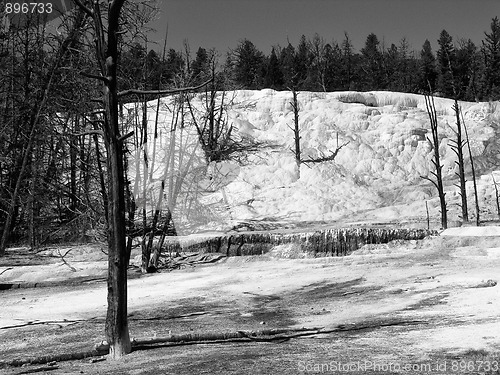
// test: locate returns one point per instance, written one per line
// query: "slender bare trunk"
(476, 199)
(146, 253)
(296, 132)
(431, 110)
(457, 147)
(428, 217)
(73, 153)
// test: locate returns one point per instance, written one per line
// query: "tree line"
(458, 68)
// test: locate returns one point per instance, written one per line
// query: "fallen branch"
(39, 369)
(53, 358)
(325, 158)
(279, 334)
(264, 335)
(64, 260)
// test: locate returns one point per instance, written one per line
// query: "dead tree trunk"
(476, 199)
(116, 320)
(131, 206)
(428, 218)
(457, 146)
(168, 229)
(106, 39)
(146, 252)
(438, 183)
(497, 197)
(73, 154)
(296, 131)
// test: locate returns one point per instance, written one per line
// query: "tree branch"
(95, 76)
(162, 92)
(87, 132)
(430, 180)
(82, 6)
(323, 159)
(125, 136)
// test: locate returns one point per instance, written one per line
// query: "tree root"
(269, 335)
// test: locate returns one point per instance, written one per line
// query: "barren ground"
(432, 305)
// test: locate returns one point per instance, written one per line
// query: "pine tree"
(446, 59)
(154, 69)
(372, 64)
(175, 64)
(491, 52)
(274, 75)
(427, 71)
(200, 67)
(302, 63)
(347, 70)
(466, 71)
(248, 66)
(287, 62)
(132, 65)
(407, 67)
(332, 79)
(318, 64)
(391, 68)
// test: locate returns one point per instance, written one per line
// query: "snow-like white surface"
(380, 170)
(487, 231)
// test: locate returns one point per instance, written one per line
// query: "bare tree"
(497, 196)
(474, 183)
(106, 45)
(216, 134)
(296, 132)
(297, 137)
(438, 182)
(457, 146)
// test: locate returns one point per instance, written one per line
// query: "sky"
(221, 24)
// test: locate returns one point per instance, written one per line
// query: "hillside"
(376, 177)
